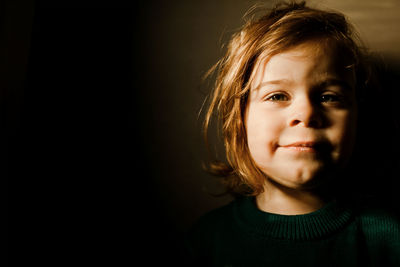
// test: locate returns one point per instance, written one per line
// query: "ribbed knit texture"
(291, 227)
(240, 234)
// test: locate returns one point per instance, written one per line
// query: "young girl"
(288, 96)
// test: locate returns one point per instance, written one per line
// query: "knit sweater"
(239, 234)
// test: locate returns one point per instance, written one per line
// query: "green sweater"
(239, 234)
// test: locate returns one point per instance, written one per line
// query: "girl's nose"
(306, 113)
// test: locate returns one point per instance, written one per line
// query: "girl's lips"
(306, 146)
(301, 148)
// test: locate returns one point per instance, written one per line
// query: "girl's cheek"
(343, 135)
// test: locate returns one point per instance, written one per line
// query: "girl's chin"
(304, 178)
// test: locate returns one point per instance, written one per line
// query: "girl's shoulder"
(379, 222)
(200, 239)
(213, 219)
(380, 229)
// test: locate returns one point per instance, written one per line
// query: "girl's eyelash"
(277, 97)
(328, 98)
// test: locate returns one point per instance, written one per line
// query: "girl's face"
(301, 114)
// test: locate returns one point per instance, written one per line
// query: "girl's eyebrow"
(280, 81)
(321, 84)
(333, 82)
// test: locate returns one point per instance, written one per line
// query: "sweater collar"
(320, 223)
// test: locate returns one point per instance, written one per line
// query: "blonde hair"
(282, 27)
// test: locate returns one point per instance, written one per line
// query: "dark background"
(100, 115)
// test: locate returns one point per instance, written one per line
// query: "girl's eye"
(329, 98)
(277, 97)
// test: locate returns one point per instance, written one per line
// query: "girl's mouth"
(307, 146)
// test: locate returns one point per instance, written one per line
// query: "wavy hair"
(279, 29)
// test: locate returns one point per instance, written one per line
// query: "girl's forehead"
(320, 59)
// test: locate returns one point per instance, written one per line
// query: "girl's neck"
(286, 201)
